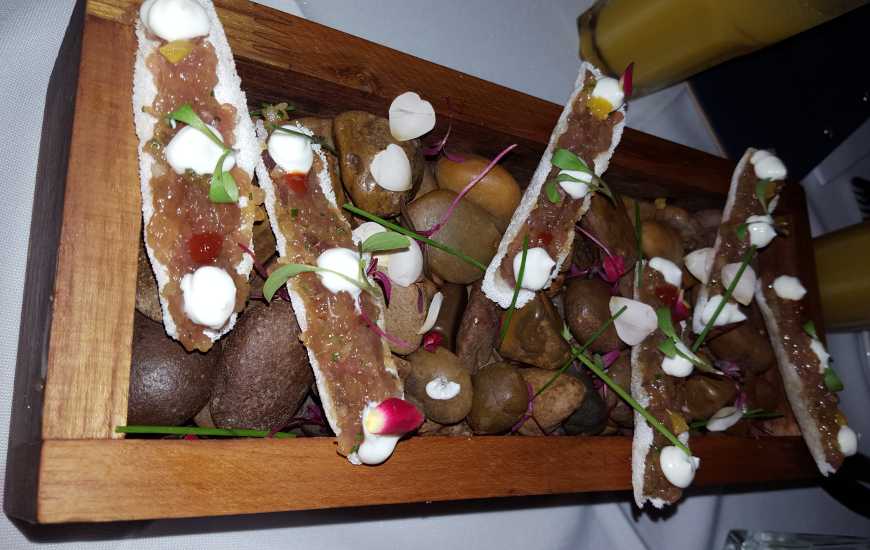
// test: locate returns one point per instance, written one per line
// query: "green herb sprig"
(617, 389)
(517, 286)
(761, 192)
(566, 160)
(416, 236)
(215, 432)
(581, 349)
(222, 188)
(830, 377)
(670, 348)
(725, 297)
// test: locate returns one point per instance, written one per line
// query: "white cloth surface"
(530, 47)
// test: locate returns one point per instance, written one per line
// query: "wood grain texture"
(25, 438)
(92, 327)
(86, 476)
(141, 479)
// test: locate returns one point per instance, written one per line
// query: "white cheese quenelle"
(678, 467)
(291, 151)
(576, 189)
(678, 366)
(789, 288)
(847, 440)
(767, 166)
(190, 149)
(537, 271)
(761, 230)
(403, 267)
(174, 19)
(345, 263)
(209, 296)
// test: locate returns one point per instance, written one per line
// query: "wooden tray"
(66, 463)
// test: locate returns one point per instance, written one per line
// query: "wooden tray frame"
(65, 462)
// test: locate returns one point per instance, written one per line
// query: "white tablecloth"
(528, 46)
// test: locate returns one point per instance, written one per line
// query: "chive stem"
(510, 311)
(725, 297)
(653, 421)
(187, 430)
(416, 236)
(583, 348)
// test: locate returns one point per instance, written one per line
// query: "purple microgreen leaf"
(261, 269)
(384, 281)
(595, 240)
(420, 299)
(395, 340)
(454, 157)
(626, 80)
(438, 146)
(610, 358)
(446, 216)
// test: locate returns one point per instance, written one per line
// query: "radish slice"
(696, 263)
(393, 416)
(745, 288)
(391, 169)
(410, 116)
(636, 323)
(432, 315)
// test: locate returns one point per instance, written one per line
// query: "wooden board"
(142, 479)
(85, 475)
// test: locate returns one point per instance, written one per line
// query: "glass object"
(766, 540)
(670, 40)
(844, 284)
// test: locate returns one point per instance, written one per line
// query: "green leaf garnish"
(725, 297)
(510, 311)
(416, 236)
(566, 160)
(287, 271)
(186, 114)
(187, 430)
(669, 348)
(385, 240)
(810, 328)
(832, 380)
(666, 325)
(222, 188)
(761, 192)
(552, 192)
(742, 230)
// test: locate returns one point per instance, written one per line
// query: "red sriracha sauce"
(296, 182)
(205, 247)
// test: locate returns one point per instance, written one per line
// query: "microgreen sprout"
(832, 380)
(761, 192)
(517, 286)
(742, 230)
(670, 348)
(725, 297)
(287, 271)
(416, 236)
(189, 430)
(474, 181)
(223, 188)
(566, 160)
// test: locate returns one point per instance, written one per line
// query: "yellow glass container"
(844, 279)
(670, 40)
